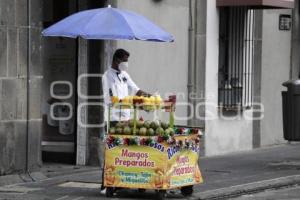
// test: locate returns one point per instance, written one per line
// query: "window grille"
(236, 56)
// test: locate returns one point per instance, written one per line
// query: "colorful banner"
(158, 166)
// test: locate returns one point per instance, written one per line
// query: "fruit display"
(144, 128)
(146, 103)
(142, 132)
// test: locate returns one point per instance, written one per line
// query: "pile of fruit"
(122, 134)
(148, 128)
(152, 101)
(142, 128)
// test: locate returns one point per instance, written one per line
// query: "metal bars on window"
(236, 54)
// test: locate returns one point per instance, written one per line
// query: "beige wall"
(276, 54)
(161, 67)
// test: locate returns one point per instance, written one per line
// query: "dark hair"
(120, 54)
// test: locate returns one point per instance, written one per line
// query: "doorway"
(59, 103)
(59, 97)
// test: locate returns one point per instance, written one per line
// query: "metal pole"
(191, 63)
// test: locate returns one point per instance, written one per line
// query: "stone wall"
(17, 57)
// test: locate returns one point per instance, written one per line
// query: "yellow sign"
(158, 166)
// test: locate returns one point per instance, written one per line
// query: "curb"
(255, 187)
(50, 172)
(44, 175)
(21, 178)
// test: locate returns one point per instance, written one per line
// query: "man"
(117, 82)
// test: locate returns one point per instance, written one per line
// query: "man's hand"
(142, 93)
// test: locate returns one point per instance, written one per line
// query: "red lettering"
(131, 154)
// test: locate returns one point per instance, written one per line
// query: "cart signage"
(183, 169)
(134, 167)
(133, 159)
(158, 166)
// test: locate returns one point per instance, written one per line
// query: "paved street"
(291, 193)
(234, 174)
(71, 191)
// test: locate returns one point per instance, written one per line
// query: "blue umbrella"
(108, 24)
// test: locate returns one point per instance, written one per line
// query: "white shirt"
(119, 84)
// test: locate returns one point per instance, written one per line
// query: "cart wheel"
(110, 192)
(187, 190)
(161, 194)
(141, 190)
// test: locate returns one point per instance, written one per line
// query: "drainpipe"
(27, 167)
(191, 61)
(195, 58)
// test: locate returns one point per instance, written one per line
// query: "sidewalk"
(252, 171)
(224, 176)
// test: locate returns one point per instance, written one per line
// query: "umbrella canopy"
(108, 24)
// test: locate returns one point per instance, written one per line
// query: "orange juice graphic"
(159, 181)
(197, 175)
(168, 181)
(159, 178)
(110, 175)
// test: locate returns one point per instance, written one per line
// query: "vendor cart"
(140, 159)
(157, 161)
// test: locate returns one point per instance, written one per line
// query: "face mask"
(123, 66)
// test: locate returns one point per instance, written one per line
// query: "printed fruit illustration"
(159, 178)
(142, 131)
(168, 181)
(150, 132)
(110, 179)
(109, 175)
(159, 181)
(197, 175)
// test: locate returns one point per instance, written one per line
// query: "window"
(236, 54)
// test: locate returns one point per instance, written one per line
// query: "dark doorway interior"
(59, 97)
(60, 65)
